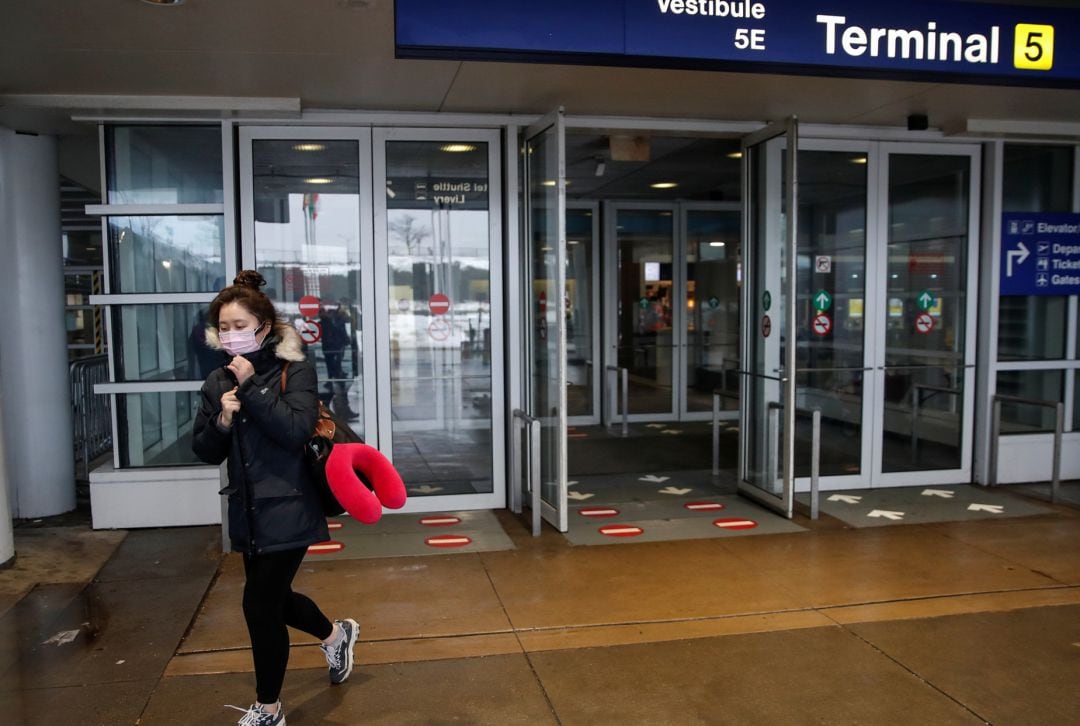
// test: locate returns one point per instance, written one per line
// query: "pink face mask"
(240, 342)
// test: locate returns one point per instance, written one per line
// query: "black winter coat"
(273, 504)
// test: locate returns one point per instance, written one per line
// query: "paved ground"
(940, 623)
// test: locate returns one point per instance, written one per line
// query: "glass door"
(546, 315)
(583, 364)
(767, 403)
(646, 313)
(710, 250)
(438, 288)
(306, 203)
(925, 341)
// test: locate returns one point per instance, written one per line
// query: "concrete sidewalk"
(941, 623)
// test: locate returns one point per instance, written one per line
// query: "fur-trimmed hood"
(289, 346)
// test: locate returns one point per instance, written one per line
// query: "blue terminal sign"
(1040, 254)
(911, 40)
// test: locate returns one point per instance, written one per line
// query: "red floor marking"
(598, 512)
(735, 523)
(325, 548)
(449, 540)
(622, 530)
(439, 521)
(704, 506)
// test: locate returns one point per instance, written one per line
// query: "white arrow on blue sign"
(1040, 254)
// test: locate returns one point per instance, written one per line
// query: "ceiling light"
(664, 185)
(164, 3)
(167, 264)
(318, 180)
(716, 244)
(859, 160)
(735, 155)
(600, 166)
(548, 183)
(457, 148)
(309, 147)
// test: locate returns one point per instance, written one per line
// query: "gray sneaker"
(256, 716)
(340, 657)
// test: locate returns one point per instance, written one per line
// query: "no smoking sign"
(822, 324)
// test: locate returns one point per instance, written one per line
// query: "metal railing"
(995, 437)
(718, 393)
(815, 449)
(532, 424)
(93, 414)
(916, 409)
(624, 375)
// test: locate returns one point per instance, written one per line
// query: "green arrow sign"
(766, 300)
(822, 300)
(926, 300)
(714, 303)
(643, 303)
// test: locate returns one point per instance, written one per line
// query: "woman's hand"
(241, 368)
(230, 404)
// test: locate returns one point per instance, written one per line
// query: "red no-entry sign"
(450, 540)
(766, 326)
(598, 512)
(735, 523)
(440, 521)
(704, 506)
(325, 548)
(622, 530)
(439, 304)
(309, 306)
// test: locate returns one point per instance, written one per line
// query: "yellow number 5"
(1033, 48)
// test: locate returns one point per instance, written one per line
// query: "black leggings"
(269, 606)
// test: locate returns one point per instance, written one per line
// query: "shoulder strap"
(284, 375)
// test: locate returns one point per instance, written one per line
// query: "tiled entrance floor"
(923, 505)
(398, 535)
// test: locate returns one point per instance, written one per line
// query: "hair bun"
(249, 279)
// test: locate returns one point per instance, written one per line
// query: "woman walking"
(274, 510)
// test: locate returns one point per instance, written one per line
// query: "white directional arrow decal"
(879, 513)
(579, 496)
(656, 426)
(427, 489)
(671, 432)
(845, 498)
(992, 508)
(1021, 254)
(654, 479)
(943, 493)
(675, 491)
(571, 483)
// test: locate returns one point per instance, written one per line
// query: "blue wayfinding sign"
(914, 40)
(1040, 254)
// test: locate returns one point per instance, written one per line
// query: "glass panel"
(1032, 328)
(831, 273)
(155, 428)
(163, 343)
(164, 164)
(925, 312)
(1036, 178)
(1018, 418)
(438, 227)
(713, 240)
(1076, 403)
(646, 250)
(542, 194)
(580, 316)
(167, 254)
(762, 419)
(306, 198)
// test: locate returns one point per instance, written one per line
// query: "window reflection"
(164, 254)
(164, 164)
(439, 255)
(155, 429)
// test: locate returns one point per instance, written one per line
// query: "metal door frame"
(596, 277)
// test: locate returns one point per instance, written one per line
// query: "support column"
(7, 535)
(34, 391)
